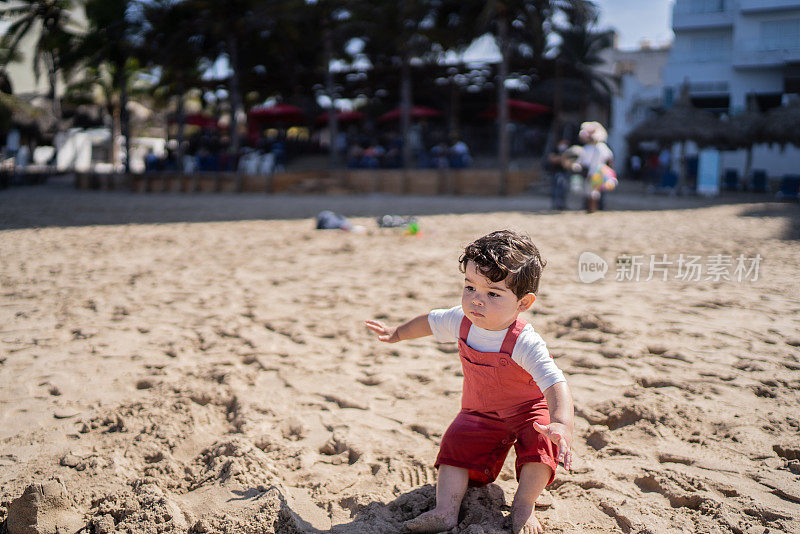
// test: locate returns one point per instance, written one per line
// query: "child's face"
(490, 305)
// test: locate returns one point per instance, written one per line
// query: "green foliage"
(581, 47)
(283, 47)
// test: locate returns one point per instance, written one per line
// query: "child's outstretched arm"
(416, 327)
(559, 431)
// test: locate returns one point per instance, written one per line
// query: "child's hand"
(561, 435)
(385, 333)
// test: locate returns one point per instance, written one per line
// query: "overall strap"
(508, 342)
(511, 336)
(463, 331)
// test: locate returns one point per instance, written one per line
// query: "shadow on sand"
(58, 203)
(786, 210)
(481, 512)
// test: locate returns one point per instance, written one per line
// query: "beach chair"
(790, 187)
(730, 180)
(759, 181)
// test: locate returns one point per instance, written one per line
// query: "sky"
(636, 20)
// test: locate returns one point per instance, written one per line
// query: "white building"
(641, 90)
(735, 55)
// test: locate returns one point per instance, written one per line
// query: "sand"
(199, 364)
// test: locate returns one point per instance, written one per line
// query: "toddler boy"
(513, 394)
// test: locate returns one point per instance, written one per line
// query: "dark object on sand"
(328, 220)
(395, 221)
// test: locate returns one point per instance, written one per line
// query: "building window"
(780, 34)
(706, 6)
(715, 104)
(764, 102)
(709, 47)
(708, 87)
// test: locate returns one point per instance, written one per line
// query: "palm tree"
(395, 33)
(107, 53)
(453, 31)
(235, 29)
(7, 56)
(166, 46)
(520, 27)
(580, 51)
(53, 42)
(332, 19)
(9, 104)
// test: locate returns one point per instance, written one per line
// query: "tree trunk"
(235, 96)
(181, 118)
(455, 110)
(558, 94)
(502, 106)
(115, 133)
(333, 120)
(585, 106)
(405, 109)
(556, 133)
(53, 79)
(125, 121)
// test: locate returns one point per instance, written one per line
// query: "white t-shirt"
(530, 352)
(593, 156)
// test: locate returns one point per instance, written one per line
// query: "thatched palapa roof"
(782, 125)
(681, 122)
(744, 129)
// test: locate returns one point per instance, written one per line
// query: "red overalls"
(499, 402)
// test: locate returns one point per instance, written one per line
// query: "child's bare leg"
(532, 479)
(450, 489)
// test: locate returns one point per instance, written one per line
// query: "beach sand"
(199, 363)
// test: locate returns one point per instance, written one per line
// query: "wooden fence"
(408, 182)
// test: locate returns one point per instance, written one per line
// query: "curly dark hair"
(509, 256)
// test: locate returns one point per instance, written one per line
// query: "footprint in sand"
(294, 429)
(340, 450)
(144, 383)
(416, 475)
(422, 430)
(422, 379)
(342, 402)
(373, 380)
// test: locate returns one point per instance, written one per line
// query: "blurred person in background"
(595, 153)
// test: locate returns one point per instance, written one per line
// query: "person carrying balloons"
(597, 163)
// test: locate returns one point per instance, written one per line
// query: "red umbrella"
(518, 110)
(417, 112)
(343, 117)
(280, 113)
(200, 120)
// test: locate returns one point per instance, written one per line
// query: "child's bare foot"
(430, 522)
(523, 521)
